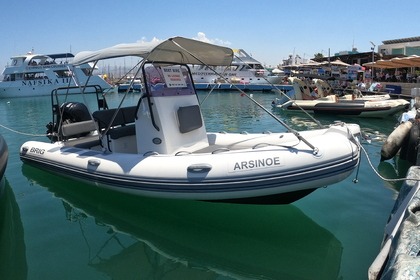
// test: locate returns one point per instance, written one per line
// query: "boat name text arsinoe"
(256, 163)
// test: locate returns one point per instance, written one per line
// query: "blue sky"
(270, 30)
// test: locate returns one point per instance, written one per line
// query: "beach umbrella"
(384, 64)
(338, 62)
(404, 62)
(397, 62)
(414, 60)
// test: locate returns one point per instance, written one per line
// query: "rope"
(379, 175)
(23, 133)
(374, 169)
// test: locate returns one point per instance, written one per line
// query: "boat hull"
(328, 103)
(45, 87)
(247, 175)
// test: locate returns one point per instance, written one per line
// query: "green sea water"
(56, 228)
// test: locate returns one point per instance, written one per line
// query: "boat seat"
(78, 128)
(124, 117)
(122, 131)
(122, 127)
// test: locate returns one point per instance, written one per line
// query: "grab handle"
(199, 168)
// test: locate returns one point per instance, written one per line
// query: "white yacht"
(38, 74)
(243, 70)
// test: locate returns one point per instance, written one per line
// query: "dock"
(399, 256)
(399, 90)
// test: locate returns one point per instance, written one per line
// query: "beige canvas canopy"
(337, 62)
(173, 50)
(404, 62)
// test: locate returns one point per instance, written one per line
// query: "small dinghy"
(160, 147)
(349, 104)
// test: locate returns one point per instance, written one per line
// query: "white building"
(404, 46)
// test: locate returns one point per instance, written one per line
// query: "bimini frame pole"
(284, 94)
(296, 133)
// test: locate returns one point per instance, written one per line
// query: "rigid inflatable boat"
(160, 147)
(349, 104)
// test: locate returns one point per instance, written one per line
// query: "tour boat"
(160, 146)
(245, 71)
(350, 104)
(39, 74)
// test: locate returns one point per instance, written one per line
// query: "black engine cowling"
(69, 112)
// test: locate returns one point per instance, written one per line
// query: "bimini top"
(174, 50)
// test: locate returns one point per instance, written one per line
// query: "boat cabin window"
(34, 62)
(41, 61)
(34, 76)
(17, 61)
(9, 77)
(257, 66)
(87, 71)
(63, 73)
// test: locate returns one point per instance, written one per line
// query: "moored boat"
(348, 104)
(323, 89)
(129, 87)
(244, 71)
(38, 74)
(160, 147)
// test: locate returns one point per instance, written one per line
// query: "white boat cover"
(172, 50)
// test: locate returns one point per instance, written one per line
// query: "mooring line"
(23, 133)
(378, 174)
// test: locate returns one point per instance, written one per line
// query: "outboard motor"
(72, 112)
(69, 112)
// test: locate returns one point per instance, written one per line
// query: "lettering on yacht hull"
(43, 82)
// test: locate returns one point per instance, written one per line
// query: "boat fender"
(395, 140)
(409, 148)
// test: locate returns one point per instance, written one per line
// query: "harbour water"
(57, 228)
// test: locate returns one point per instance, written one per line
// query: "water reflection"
(168, 239)
(12, 246)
